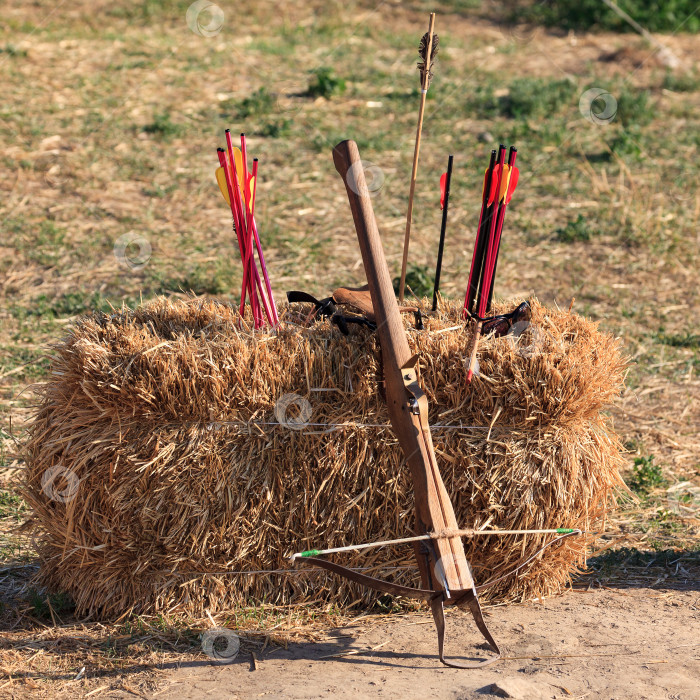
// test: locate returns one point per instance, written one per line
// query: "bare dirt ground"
(585, 644)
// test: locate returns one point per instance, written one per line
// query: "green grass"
(12, 51)
(11, 505)
(220, 277)
(682, 82)
(634, 107)
(325, 83)
(419, 279)
(653, 15)
(646, 476)
(576, 230)
(148, 10)
(61, 306)
(613, 560)
(163, 127)
(526, 98)
(680, 340)
(42, 603)
(259, 103)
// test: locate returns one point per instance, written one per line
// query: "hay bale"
(164, 417)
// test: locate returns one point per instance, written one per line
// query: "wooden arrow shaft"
(416, 152)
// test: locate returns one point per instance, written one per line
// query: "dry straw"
(166, 416)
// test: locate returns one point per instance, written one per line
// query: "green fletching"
(565, 530)
(310, 553)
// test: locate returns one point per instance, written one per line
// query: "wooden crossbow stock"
(445, 572)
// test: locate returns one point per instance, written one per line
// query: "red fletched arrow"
(495, 180)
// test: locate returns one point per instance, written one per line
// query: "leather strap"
(436, 605)
(376, 583)
(435, 598)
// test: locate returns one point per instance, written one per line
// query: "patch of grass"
(258, 103)
(532, 97)
(633, 108)
(526, 98)
(149, 9)
(61, 306)
(325, 83)
(44, 246)
(574, 231)
(418, 279)
(614, 559)
(645, 476)
(275, 128)
(3, 456)
(43, 603)
(679, 340)
(263, 108)
(157, 191)
(626, 143)
(681, 82)
(11, 505)
(220, 278)
(12, 51)
(368, 143)
(162, 126)
(654, 15)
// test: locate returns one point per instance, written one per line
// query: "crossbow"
(445, 572)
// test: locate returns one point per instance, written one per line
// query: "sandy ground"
(633, 643)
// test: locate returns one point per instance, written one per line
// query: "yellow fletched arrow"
(238, 157)
(505, 182)
(221, 180)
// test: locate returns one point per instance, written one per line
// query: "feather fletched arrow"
(424, 66)
(427, 51)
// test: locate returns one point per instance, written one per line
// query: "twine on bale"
(138, 408)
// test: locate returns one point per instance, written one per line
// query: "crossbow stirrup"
(445, 572)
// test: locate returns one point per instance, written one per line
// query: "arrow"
(242, 215)
(427, 51)
(221, 180)
(497, 177)
(505, 195)
(444, 202)
(434, 535)
(476, 269)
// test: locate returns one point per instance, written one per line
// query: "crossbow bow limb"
(445, 572)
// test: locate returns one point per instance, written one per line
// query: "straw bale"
(166, 416)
